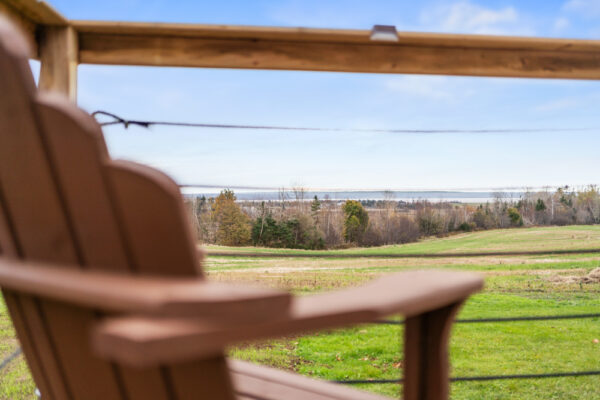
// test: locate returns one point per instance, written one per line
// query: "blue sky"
(346, 159)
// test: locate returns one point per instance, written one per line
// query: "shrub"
(515, 216)
(430, 222)
(540, 205)
(466, 227)
(293, 233)
(356, 221)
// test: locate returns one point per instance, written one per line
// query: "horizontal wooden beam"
(37, 12)
(32, 16)
(221, 46)
(211, 46)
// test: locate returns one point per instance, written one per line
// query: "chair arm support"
(143, 341)
(112, 292)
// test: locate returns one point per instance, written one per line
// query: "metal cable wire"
(505, 319)
(479, 378)
(17, 352)
(245, 254)
(10, 357)
(117, 120)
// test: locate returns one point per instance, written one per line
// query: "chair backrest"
(63, 200)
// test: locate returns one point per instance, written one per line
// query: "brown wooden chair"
(104, 285)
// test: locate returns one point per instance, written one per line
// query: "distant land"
(433, 196)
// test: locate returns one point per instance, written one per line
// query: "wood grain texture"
(335, 50)
(293, 34)
(59, 56)
(38, 12)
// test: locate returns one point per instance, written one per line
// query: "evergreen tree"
(233, 225)
(540, 205)
(315, 207)
(356, 221)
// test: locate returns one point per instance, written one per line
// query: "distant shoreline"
(408, 196)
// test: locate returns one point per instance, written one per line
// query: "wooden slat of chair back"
(63, 200)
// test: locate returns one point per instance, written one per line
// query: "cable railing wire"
(504, 319)
(117, 120)
(17, 352)
(479, 378)
(245, 254)
(10, 357)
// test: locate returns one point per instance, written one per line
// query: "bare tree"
(299, 194)
(282, 196)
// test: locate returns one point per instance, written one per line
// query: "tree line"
(295, 222)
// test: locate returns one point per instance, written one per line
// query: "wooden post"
(59, 56)
(426, 363)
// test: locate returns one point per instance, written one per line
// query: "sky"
(350, 160)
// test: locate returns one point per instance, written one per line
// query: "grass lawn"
(518, 285)
(522, 239)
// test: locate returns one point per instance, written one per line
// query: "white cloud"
(437, 88)
(466, 17)
(556, 105)
(587, 8)
(561, 24)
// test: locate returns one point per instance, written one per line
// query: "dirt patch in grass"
(296, 265)
(553, 272)
(592, 277)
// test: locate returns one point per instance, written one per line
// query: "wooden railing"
(61, 44)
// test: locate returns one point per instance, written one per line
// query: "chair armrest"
(112, 292)
(143, 341)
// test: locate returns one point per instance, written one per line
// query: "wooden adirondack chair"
(103, 280)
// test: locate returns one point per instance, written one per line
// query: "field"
(515, 286)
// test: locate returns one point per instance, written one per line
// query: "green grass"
(515, 286)
(15, 381)
(518, 239)
(375, 351)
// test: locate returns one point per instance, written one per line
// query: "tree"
(430, 221)
(356, 221)
(588, 200)
(515, 217)
(233, 225)
(540, 205)
(295, 233)
(315, 207)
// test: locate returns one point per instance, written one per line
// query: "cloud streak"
(586, 8)
(466, 17)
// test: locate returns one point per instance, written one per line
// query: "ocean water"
(409, 196)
